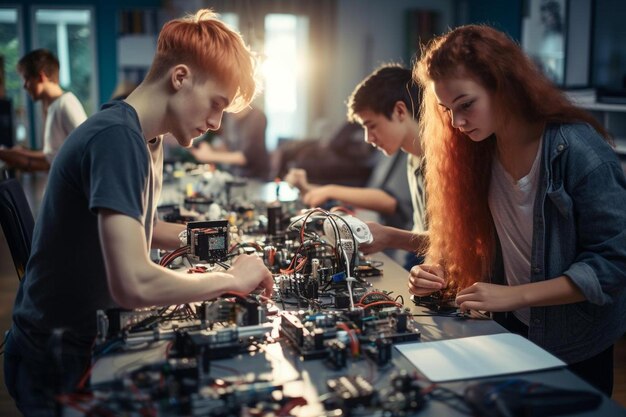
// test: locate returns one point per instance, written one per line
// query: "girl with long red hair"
(526, 201)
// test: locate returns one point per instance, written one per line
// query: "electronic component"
(171, 214)
(341, 300)
(208, 241)
(337, 354)
(231, 400)
(116, 320)
(309, 343)
(379, 351)
(352, 391)
(198, 203)
(242, 312)
(315, 335)
(207, 345)
(274, 216)
(436, 302)
(404, 397)
(365, 271)
(348, 227)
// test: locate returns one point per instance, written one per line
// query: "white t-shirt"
(418, 192)
(512, 204)
(64, 115)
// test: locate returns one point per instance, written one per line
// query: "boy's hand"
(297, 178)
(249, 273)
(379, 242)
(319, 195)
(203, 152)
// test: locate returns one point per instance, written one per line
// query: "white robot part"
(348, 226)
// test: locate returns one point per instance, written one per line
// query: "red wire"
(83, 379)
(354, 343)
(375, 293)
(377, 303)
(293, 403)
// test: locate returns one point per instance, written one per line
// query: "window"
(231, 19)
(69, 34)
(11, 50)
(285, 69)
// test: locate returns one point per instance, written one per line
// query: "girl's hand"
(426, 279)
(490, 297)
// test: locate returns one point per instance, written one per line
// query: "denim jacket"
(579, 230)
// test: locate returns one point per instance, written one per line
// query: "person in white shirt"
(62, 111)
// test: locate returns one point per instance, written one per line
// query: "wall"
(371, 33)
(504, 15)
(374, 32)
(105, 27)
(608, 37)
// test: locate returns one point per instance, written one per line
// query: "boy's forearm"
(135, 281)
(165, 235)
(406, 240)
(366, 198)
(227, 157)
(25, 159)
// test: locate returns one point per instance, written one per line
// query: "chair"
(17, 223)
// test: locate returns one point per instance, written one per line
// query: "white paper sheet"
(477, 357)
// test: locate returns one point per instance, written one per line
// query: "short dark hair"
(31, 64)
(382, 89)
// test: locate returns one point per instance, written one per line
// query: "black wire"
(355, 254)
(222, 264)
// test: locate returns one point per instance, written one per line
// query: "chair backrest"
(17, 223)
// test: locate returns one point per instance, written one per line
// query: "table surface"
(279, 362)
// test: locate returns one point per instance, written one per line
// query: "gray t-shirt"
(104, 163)
(390, 176)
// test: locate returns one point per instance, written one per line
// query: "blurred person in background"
(62, 112)
(238, 146)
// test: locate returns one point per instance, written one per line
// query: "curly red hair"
(458, 170)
